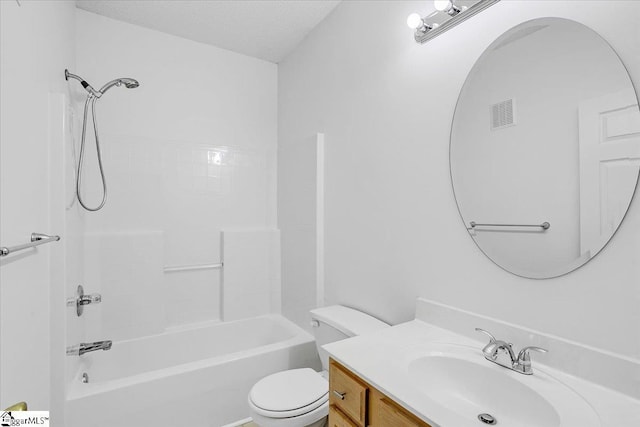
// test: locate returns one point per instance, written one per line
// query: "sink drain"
(488, 419)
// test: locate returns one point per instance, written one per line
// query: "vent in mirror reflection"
(502, 115)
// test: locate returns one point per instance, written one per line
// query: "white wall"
(37, 44)
(300, 219)
(189, 153)
(393, 231)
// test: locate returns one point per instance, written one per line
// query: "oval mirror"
(545, 147)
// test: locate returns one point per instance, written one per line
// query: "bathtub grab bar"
(175, 268)
(37, 239)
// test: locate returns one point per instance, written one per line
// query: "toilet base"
(274, 422)
(319, 423)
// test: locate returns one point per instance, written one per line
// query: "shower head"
(127, 82)
(130, 83)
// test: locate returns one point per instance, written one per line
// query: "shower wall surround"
(300, 219)
(393, 231)
(36, 44)
(188, 154)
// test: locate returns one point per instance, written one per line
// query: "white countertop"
(375, 358)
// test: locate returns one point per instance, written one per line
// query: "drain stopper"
(488, 419)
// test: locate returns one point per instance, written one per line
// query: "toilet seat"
(289, 393)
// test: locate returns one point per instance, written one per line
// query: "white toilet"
(300, 397)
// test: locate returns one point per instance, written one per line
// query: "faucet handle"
(523, 356)
(493, 339)
(87, 299)
(81, 299)
(523, 362)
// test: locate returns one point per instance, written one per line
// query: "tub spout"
(86, 347)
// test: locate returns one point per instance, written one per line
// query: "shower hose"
(90, 100)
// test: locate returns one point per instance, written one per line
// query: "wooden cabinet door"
(384, 412)
(338, 419)
(347, 393)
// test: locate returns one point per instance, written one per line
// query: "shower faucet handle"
(81, 299)
(90, 299)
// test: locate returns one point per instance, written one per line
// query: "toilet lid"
(290, 393)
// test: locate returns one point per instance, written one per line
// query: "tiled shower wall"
(187, 155)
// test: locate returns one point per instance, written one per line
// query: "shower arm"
(83, 82)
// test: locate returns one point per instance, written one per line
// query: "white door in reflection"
(609, 164)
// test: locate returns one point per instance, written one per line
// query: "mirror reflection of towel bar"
(175, 268)
(545, 225)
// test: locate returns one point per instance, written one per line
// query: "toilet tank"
(337, 322)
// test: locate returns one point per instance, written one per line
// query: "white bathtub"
(197, 377)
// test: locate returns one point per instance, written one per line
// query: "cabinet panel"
(338, 419)
(347, 393)
(384, 412)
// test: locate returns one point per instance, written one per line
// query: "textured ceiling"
(266, 29)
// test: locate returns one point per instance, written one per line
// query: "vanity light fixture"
(447, 14)
(447, 6)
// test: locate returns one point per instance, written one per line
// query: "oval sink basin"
(461, 380)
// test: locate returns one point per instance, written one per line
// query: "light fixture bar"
(423, 37)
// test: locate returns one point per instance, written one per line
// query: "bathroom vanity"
(354, 402)
(432, 372)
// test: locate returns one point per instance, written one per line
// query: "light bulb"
(414, 21)
(447, 6)
(442, 5)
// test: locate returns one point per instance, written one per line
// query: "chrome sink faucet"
(520, 363)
